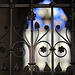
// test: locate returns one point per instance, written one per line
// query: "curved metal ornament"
(38, 42)
(67, 42)
(18, 49)
(61, 49)
(4, 52)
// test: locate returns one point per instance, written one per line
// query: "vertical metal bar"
(11, 73)
(52, 38)
(31, 50)
(72, 25)
(73, 40)
(31, 35)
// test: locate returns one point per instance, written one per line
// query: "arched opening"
(43, 17)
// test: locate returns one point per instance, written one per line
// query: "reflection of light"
(47, 22)
(63, 16)
(56, 12)
(43, 14)
(46, 2)
(59, 22)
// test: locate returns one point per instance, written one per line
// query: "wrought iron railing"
(32, 65)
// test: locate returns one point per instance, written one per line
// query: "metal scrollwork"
(58, 27)
(16, 68)
(26, 69)
(43, 49)
(26, 41)
(6, 28)
(47, 68)
(58, 68)
(36, 68)
(18, 49)
(37, 41)
(69, 70)
(61, 49)
(4, 51)
(5, 54)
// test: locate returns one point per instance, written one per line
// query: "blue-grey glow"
(43, 14)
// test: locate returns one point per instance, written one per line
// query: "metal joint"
(31, 63)
(32, 17)
(32, 5)
(71, 4)
(52, 49)
(12, 5)
(11, 50)
(52, 4)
